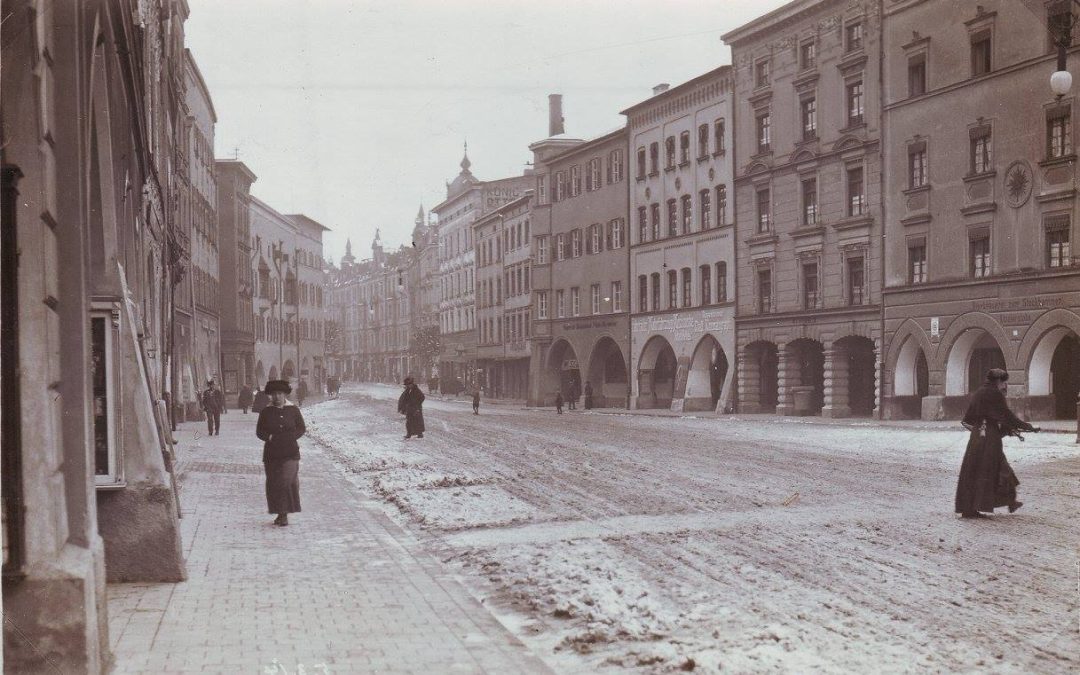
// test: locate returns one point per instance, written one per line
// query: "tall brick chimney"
(555, 118)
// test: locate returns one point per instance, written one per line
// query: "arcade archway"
(705, 379)
(1054, 372)
(854, 375)
(973, 353)
(607, 374)
(656, 374)
(760, 379)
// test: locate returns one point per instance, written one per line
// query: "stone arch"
(756, 167)
(908, 330)
(1034, 337)
(707, 376)
(803, 155)
(804, 370)
(657, 368)
(847, 142)
(966, 322)
(907, 380)
(273, 373)
(853, 376)
(260, 375)
(607, 373)
(759, 377)
(288, 371)
(958, 359)
(562, 369)
(1050, 353)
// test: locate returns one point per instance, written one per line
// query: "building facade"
(237, 253)
(808, 208)
(503, 308)
(310, 301)
(580, 288)
(424, 286)
(981, 213)
(682, 256)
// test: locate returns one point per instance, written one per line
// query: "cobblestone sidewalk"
(342, 589)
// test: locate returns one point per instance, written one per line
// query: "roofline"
(258, 202)
(787, 11)
(589, 144)
(679, 88)
(478, 185)
(240, 165)
(505, 207)
(189, 59)
(308, 219)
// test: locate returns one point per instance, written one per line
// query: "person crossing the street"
(213, 404)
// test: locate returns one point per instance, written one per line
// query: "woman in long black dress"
(986, 479)
(280, 424)
(411, 405)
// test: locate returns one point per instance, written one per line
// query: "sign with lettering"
(497, 196)
(582, 325)
(684, 327)
(935, 327)
(1006, 304)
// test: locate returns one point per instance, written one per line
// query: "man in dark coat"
(476, 401)
(213, 403)
(986, 479)
(260, 401)
(575, 394)
(301, 392)
(558, 401)
(588, 395)
(279, 425)
(410, 404)
(245, 399)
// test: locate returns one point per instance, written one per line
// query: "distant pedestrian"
(260, 401)
(558, 401)
(280, 425)
(245, 399)
(476, 401)
(575, 394)
(213, 403)
(411, 405)
(301, 392)
(986, 479)
(588, 395)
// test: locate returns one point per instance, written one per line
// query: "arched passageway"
(563, 371)
(656, 374)
(607, 374)
(260, 375)
(273, 373)
(805, 368)
(288, 371)
(1054, 374)
(854, 374)
(759, 380)
(705, 380)
(973, 353)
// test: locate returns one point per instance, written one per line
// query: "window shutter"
(608, 170)
(608, 235)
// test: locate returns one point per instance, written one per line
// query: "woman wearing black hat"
(410, 404)
(280, 424)
(986, 479)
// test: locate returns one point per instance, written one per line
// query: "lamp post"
(1060, 28)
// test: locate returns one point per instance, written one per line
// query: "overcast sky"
(355, 113)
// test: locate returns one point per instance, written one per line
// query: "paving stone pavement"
(342, 589)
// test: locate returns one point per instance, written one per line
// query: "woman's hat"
(408, 381)
(277, 385)
(997, 375)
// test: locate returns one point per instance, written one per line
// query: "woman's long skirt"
(986, 479)
(282, 485)
(414, 422)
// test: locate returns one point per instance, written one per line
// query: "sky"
(356, 113)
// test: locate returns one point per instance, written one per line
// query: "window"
(575, 243)
(594, 293)
(763, 209)
(764, 134)
(684, 148)
(809, 201)
(641, 163)
(669, 154)
(810, 285)
(706, 209)
(721, 205)
(616, 296)
(808, 108)
(597, 246)
(1058, 251)
(917, 165)
(916, 75)
(655, 290)
(654, 216)
(687, 287)
(575, 181)
(617, 233)
(542, 188)
(542, 250)
(643, 293)
(718, 136)
(593, 181)
(1059, 21)
(1059, 132)
(856, 281)
(560, 246)
(575, 301)
(560, 186)
(654, 158)
(856, 192)
(108, 469)
(855, 103)
(703, 141)
(672, 217)
(807, 55)
(982, 150)
(761, 73)
(706, 284)
(917, 262)
(721, 282)
(853, 37)
(980, 255)
(615, 166)
(980, 53)
(687, 213)
(764, 289)
(560, 304)
(673, 289)
(643, 225)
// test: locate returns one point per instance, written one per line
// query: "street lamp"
(1061, 25)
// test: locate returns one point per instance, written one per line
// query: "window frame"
(854, 36)
(109, 315)
(1053, 224)
(917, 275)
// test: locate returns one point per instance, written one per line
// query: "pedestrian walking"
(261, 400)
(301, 392)
(476, 401)
(245, 399)
(213, 404)
(575, 394)
(280, 425)
(588, 395)
(558, 401)
(411, 405)
(986, 480)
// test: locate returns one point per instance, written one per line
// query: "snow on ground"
(663, 544)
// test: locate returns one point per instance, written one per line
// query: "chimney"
(555, 118)
(660, 88)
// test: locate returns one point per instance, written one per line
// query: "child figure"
(476, 401)
(558, 402)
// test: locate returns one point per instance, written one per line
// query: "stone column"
(836, 383)
(785, 379)
(646, 398)
(749, 382)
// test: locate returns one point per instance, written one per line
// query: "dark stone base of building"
(142, 534)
